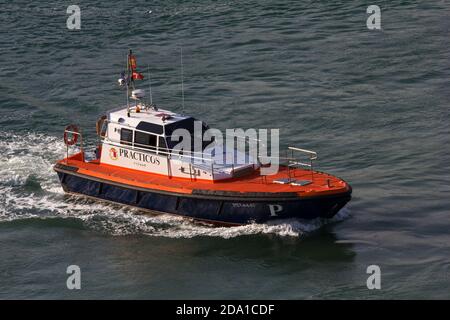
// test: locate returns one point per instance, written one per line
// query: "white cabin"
(140, 138)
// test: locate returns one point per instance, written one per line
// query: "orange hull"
(219, 200)
(323, 183)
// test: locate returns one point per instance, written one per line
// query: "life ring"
(71, 135)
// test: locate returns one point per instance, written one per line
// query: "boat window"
(171, 143)
(144, 140)
(187, 124)
(162, 144)
(205, 127)
(126, 136)
(149, 127)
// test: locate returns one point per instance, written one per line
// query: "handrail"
(312, 157)
(191, 154)
(127, 125)
(292, 161)
(157, 150)
(313, 154)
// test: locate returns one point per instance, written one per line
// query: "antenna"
(126, 82)
(182, 86)
(150, 84)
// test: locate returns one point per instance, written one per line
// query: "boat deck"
(321, 184)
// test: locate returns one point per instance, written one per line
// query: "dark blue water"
(373, 104)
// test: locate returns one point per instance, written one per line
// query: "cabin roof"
(147, 115)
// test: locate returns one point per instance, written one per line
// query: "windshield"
(189, 125)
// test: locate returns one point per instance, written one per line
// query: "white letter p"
(274, 209)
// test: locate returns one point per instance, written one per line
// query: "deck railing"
(291, 160)
(312, 155)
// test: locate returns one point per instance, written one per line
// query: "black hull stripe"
(156, 212)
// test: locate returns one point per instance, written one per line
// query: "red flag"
(137, 76)
(132, 62)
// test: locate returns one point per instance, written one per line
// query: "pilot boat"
(137, 163)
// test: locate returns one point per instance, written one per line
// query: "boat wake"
(29, 188)
(124, 223)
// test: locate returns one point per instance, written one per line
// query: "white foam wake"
(29, 188)
(125, 223)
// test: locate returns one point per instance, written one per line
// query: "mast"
(130, 80)
(127, 84)
(130, 69)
